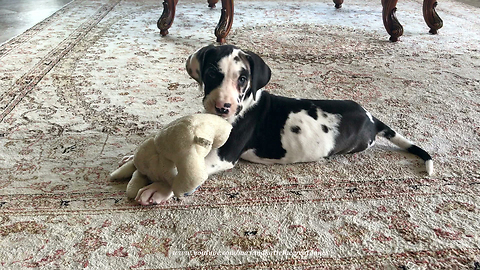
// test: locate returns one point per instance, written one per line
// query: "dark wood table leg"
(392, 25)
(338, 3)
(431, 17)
(212, 3)
(226, 21)
(166, 20)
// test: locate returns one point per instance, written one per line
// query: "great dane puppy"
(274, 129)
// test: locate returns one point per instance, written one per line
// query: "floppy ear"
(260, 72)
(194, 63)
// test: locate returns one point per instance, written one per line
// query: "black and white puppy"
(273, 129)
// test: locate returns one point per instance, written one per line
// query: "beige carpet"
(82, 88)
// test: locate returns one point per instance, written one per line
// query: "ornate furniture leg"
(212, 3)
(167, 17)
(431, 17)
(392, 25)
(338, 3)
(226, 20)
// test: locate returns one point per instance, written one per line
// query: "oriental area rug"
(84, 87)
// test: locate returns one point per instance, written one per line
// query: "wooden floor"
(16, 16)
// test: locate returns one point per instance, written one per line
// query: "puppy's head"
(228, 76)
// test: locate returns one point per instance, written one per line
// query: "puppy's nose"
(223, 108)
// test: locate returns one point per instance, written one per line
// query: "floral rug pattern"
(81, 89)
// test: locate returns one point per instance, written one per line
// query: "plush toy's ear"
(259, 70)
(194, 63)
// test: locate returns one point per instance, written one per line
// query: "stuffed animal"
(173, 161)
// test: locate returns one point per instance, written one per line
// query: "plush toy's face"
(210, 131)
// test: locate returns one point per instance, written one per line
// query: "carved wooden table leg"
(392, 25)
(338, 3)
(212, 3)
(226, 21)
(167, 17)
(431, 17)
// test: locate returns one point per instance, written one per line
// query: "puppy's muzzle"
(222, 108)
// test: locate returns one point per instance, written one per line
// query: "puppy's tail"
(123, 172)
(404, 143)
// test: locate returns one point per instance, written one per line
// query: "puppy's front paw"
(154, 193)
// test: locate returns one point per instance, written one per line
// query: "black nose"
(222, 110)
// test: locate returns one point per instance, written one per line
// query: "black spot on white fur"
(325, 128)
(313, 112)
(295, 129)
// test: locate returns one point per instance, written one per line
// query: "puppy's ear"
(195, 63)
(260, 72)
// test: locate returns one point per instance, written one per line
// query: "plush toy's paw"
(125, 159)
(191, 192)
(154, 193)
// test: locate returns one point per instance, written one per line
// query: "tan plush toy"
(173, 161)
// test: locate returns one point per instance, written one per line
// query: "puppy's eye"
(242, 80)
